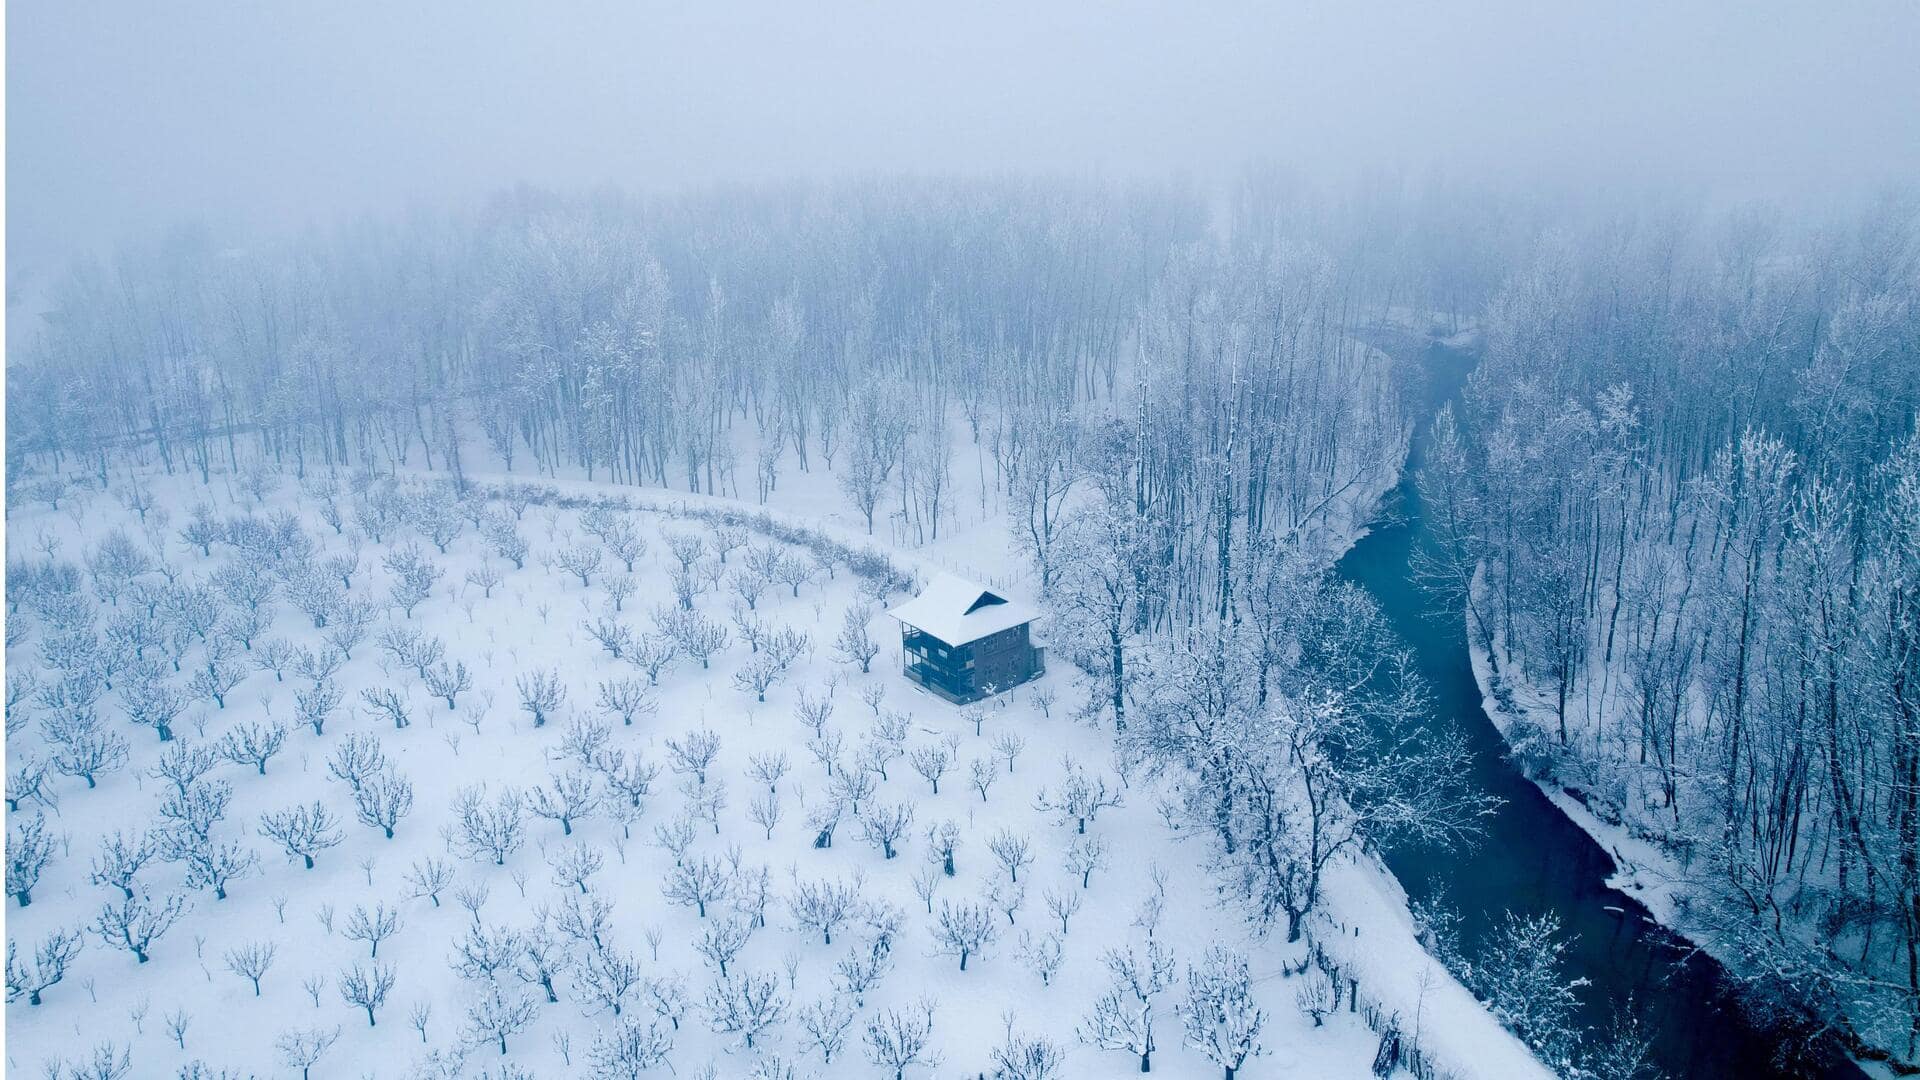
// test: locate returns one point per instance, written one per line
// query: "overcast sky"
(123, 117)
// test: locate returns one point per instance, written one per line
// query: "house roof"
(958, 611)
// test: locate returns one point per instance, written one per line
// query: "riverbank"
(1531, 860)
(1643, 869)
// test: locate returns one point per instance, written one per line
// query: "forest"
(1680, 506)
(550, 467)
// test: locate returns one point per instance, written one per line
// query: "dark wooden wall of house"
(1002, 660)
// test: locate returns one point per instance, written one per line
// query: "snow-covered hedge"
(865, 561)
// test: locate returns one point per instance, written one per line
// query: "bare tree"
(1027, 1057)
(764, 809)
(383, 799)
(581, 560)
(686, 548)
(29, 849)
(692, 633)
(1013, 850)
(134, 923)
(304, 830)
(1222, 1019)
(608, 977)
(625, 698)
(541, 958)
(485, 952)
(315, 704)
(1043, 954)
(855, 645)
(826, 1023)
(448, 682)
(105, 1063)
(632, 1049)
(693, 754)
(430, 879)
(82, 748)
(1063, 906)
(821, 907)
(491, 830)
(366, 987)
(1524, 981)
(1008, 744)
(372, 927)
(897, 1039)
(51, 958)
(574, 864)
(27, 781)
(356, 758)
(614, 636)
(721, 941)
(745, 1005)
(252, 743)
(1078, 799)
(568, 797)
(1122, 1018)
(486, 576)
(1084, 856)
(414, 577)
(121, 858)
(252, 961)
(964, 930)
(303, 1049)
(883, 826)
(497, 1013)
(695, 883)
(541, 694)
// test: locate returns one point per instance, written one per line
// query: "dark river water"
(1531, 858)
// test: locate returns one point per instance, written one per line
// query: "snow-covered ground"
(1642, 868)
(534, 621)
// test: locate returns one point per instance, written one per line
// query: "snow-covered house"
(963, 641)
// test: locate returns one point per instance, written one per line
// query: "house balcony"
(955, 688)
(919, 641)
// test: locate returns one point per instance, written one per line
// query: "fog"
(125, 117)
(1431, 489)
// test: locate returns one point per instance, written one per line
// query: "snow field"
(535, 621)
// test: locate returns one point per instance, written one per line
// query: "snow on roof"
(958, 611)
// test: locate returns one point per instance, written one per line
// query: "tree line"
(1680, 503)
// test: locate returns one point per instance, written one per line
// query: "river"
(1531, 858)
